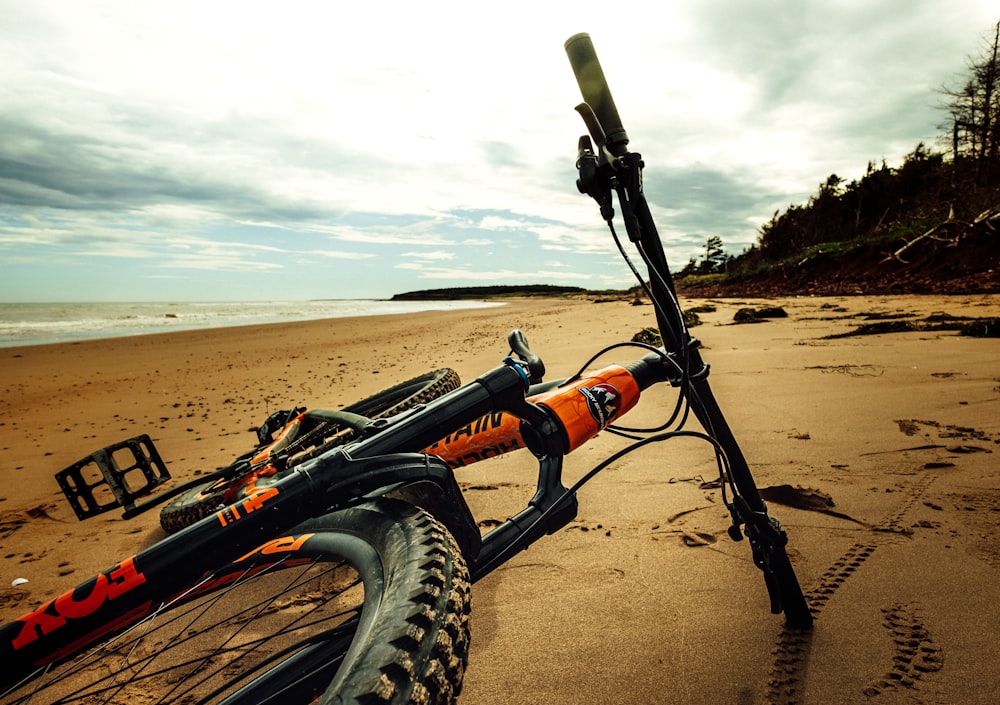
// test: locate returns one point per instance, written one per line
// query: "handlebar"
(596, 93)
(484, 418)
(500, 389)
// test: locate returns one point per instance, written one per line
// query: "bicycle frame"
(384, 463)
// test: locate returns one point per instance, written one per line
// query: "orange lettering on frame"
(280, 545)
(80, 602)
(257, 499)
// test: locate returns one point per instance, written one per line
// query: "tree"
(714, 261)
(974, 109)
(715, 256)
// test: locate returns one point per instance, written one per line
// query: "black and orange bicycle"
(368, 600)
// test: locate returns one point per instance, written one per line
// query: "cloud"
(429, 256)
(338, 254)
(736, 199)
(275, 141)
(358, 228)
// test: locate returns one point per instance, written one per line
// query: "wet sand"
(885, 443)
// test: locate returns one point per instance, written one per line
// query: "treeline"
(891, 206)
(887, 205)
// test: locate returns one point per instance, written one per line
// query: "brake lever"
(595, 177)
(519, 345)
(593, 124)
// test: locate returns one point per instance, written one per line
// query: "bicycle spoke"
(153, 651)
(246, 649)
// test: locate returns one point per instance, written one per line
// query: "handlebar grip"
(595, 90)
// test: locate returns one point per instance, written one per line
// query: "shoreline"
(53, 323)
(637, 595)
(692, 293)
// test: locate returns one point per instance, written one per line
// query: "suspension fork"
(612, 166)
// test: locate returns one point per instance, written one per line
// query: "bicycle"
(368, 599)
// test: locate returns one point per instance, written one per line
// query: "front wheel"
(366, 605)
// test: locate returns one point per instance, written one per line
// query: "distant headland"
(489, 292)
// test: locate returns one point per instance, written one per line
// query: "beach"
(877, 453)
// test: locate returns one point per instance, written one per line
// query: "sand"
(643, 598)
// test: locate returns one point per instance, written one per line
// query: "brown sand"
(642, 599)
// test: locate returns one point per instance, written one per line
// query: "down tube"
(491, 435)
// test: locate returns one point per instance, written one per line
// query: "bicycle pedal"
(114, 476)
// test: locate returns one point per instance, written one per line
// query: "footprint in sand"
(914, 652)
(697, 538)
(11, 597)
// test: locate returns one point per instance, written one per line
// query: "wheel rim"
(277, 631)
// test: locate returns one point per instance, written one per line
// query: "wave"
(43, 323)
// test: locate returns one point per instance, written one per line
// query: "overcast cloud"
(169, 150)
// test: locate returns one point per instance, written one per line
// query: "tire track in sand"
(913, 653)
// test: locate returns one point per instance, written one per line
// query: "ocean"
(41, 323)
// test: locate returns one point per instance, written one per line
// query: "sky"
(234, 151)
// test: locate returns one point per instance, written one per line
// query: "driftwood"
(985, 219)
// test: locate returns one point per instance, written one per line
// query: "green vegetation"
(948, 202)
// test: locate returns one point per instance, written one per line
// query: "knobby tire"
(372, 607)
